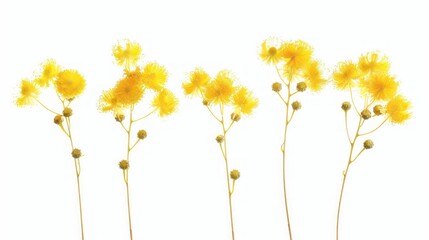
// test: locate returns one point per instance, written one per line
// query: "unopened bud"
(346, 106)
(301, 86)
(67, 112)
(368, 144)
(119, 117)
(366, 114)
(219, 138)
(378, 110)
(124, 164)
(277, 87)
(58, 119)
(205, 102)
(235, 117)
(234, 174)
(296, 105)
(142, 134)
(76, 153)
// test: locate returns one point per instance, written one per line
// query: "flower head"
(345, 74)
(127, 53)
(29, 92)
(165, 102)
(270, 51)
(221, 89)
(313, 76)
(129, 90)
(296, 54)
(398, 109)
(109, 102)
(372, 62)
(154, 76)
(381, 86)
(243, 101)
(70, 83)
(50, 70)
(198, 80)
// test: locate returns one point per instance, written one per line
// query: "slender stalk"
(225, 155)
(287, 121)
(129, 210)
(126, 171)
(349, 162)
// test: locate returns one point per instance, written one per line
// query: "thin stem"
(225, 155)
(43, 105)
(281, 78)
(347, 127)
(137, 141)
(284, 101)
(129, 209)
(353, 101)
(77, 168)
(126, 172)
(287, 121)
(145, 116)
(349, 162)
(219, 120)
(362, 134)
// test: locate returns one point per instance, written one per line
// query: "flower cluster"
(136, 82)
(370, 76)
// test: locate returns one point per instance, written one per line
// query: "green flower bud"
(368, 144)
(346, 106)
(235, 117)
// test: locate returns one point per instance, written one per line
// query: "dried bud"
(234, 174)
(76, 153)
(124, 164)
(277, 87)
(142, 134)
(301, 86)
(119, 117)
(67, 112)
(235, 117)
(346, 106)
(296, 105)
(58, 119)
(366, 114)
(219, 138)
(368, 144)
(205, 102)
(378, 110)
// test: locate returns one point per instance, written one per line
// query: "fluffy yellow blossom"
(29, 91)
(345, 75)
(109, 102)
(313, 76)
(50, 70)
(372, 62)
(154, 76)
(129, 90)
(165, 102)
(398, 109)
(381, 86)
(127, 54)
(197, 83)
(70, 83)
(221, 89)
(243, 101)
(296, 54)
(270, 51)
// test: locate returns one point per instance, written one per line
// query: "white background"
(177, 175)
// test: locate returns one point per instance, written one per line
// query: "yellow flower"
(296, 54)
(50, 70)
(109, 102)
(127, 54)
(398, 109)
(197, 83)
(129, 90)
(29, 91)
(154, 76)
(221, 89)
(243, 101)
(381, 86)
(345, 75)
(70, 83)
(165, 102)
(313, 76)
(372, 62)
(270, 51)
